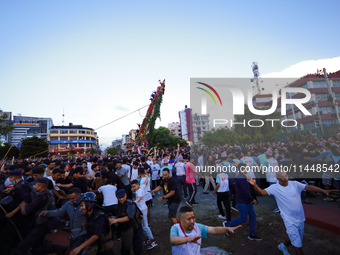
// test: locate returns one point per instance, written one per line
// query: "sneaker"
(189, 204)
(151, 244)
(206, 193)
(307, 202)
(328, 199)
(225, 224)
(222, 217)
(233, 208)
(276, 210)
(283, 248)
(53, 231)
(254, 238)
(67, 225)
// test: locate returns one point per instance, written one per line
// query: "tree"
(14, 152)
(32, 146)
(5, 127)
(246, 139)
(219, 136)
(112, 151)
(253, 131)
(258, 138)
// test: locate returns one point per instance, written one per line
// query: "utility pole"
(331, 94)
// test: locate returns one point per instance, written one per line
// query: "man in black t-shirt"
(79, 182)
(145, 166)
(169, 186)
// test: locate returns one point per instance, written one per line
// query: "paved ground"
(269, 226)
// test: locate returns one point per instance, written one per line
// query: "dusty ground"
(269, 226)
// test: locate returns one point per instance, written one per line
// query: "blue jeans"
(245, 211)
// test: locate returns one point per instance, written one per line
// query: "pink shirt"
(190, 173)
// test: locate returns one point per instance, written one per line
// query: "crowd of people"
(104, 199)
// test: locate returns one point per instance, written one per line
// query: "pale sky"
(99, 60)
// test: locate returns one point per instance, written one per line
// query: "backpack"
(135, 215)
(105, 240)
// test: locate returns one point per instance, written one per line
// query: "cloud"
(306, 67)
(121, 108)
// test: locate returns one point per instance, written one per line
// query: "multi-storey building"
(175, 129)
(72, 139)
(200, 124)
(185, 118)
(323, 90)
(25, 127)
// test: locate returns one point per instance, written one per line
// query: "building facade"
(175, 129)
(185, 118)
(74, 139)
(26, 127)
(200, 124)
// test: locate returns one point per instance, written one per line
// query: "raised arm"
(222, 230)
(257, 188)
(316, 189)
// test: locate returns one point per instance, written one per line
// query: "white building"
(175, 129)
(200, 124)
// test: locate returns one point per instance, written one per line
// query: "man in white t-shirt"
(222, 189)
(288, 197)
(155, 172)
(110, 199)
(270, 166)
(140, 201)
(181, 178)
(186, 236)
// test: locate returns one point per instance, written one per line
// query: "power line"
(122, 117)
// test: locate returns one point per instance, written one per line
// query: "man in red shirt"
(191, 173)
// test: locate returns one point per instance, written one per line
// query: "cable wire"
(122, 117)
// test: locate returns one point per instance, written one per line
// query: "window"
(54, 146)
(53, 138)
(81, 132)
(326, 110)
(319, 84)
(322, 96)
(304, 86)
(53, 131)
(81, 145)
(329, 122)
(73, 131)
(63, 138)
(73, 138)
(63, 146)
(87, 145)
(63, 131)
(337, 96)
(88, 132)
(309, 125)
(336, 83)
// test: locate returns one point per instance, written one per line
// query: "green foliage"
(246, 139)
(32, 146)
(93, 151)
(14, 152)
(258, 138)
(219, 136)
(253, 131)
(270, 137)
(5, 127)
(161, 139)
(112, 151)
